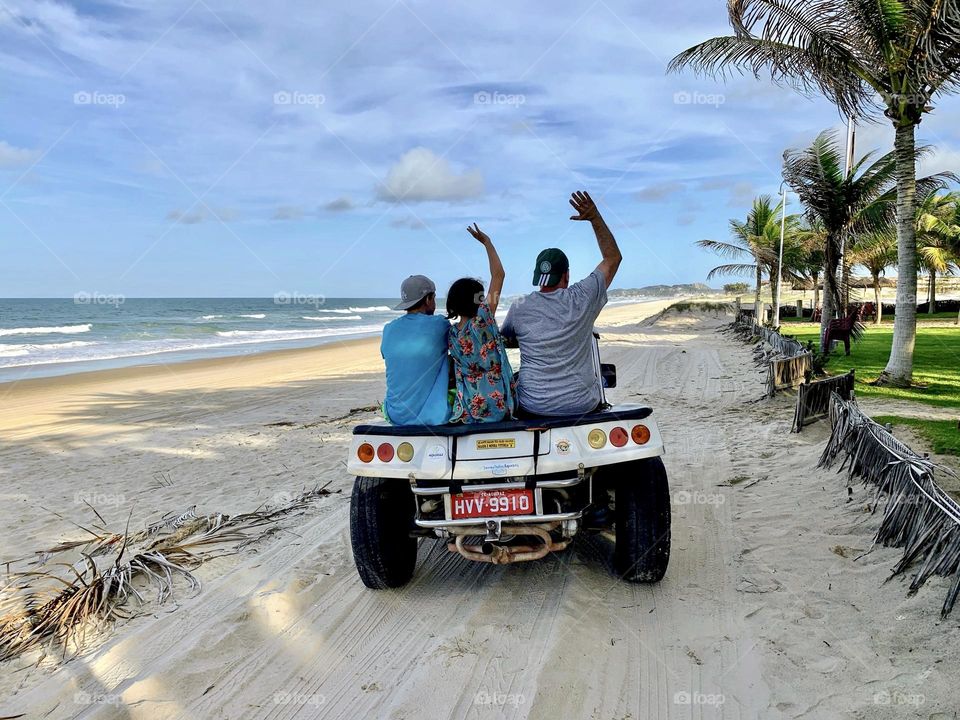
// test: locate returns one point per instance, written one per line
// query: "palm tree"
(876, 252)
(864, 56)
(755, 242)
(936, 231)
(812, 239)
(844, 205)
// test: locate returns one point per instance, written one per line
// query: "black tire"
(642, 518)
(381, 521)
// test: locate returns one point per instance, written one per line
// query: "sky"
(154, 148)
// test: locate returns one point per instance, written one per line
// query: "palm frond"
(66, 605)
(732, 269)
(918, 516)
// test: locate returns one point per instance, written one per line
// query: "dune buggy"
(511, 491)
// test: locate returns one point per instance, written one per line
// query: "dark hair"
(422, 304)
(464, 297)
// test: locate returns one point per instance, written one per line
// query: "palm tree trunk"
(933, 292)
(899, 369)
(757, 302)
(816, 289)
(831, 296)
(878, 313)
(845, 286)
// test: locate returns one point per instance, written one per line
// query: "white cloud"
(288, 212)
(658, 192)
(942, 160)
(11, 156)
(421, 176)
(742, 195)
(411, 222)
(341, 204)
(201, 214)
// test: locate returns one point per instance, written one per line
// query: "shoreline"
(54, 403)
(612, 314)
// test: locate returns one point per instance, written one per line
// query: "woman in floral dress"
(485, 383)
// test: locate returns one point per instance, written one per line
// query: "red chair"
(843, 329)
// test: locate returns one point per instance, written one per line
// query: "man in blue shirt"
(414, 348)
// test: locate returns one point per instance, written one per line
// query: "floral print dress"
(485, 382)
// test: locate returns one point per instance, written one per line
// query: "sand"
(765, 611)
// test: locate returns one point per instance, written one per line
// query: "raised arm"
(587, 210)
(496, 268)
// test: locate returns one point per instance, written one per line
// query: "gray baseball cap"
(414, 289)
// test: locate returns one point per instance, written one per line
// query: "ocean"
(57, 336)
(43, 337)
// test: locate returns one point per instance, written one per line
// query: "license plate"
(491, 503)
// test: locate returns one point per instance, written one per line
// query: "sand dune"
(764, 612)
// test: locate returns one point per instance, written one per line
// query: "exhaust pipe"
(500, 555)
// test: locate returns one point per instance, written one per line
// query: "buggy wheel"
(642, 518)
(381, 521)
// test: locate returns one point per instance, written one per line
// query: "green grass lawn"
(942, 435)
(886, 319)
(936, 373)
(936, 362)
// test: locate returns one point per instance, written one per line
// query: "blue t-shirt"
(414, 348)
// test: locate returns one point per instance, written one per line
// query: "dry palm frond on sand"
(787, 360)
(919, 516)
(62, 604)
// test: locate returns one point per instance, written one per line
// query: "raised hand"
(584, 205)
(479, 234)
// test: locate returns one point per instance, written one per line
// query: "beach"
(767, 609)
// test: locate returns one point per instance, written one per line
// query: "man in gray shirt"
(554, 327)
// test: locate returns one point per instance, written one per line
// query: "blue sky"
(203, 148)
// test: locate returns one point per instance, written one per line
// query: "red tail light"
(385, 452)
(618, 437)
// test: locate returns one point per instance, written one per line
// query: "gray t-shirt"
(558, 375)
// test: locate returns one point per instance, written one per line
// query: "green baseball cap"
(552, 263)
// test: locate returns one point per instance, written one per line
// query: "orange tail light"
(366, 452)
(640, 434)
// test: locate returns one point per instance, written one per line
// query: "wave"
(270, 335)
(255, 316)
(62, 329)
(20, 355)
(210, 317)
(329, 319)
(375, 308)
(28, 348)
